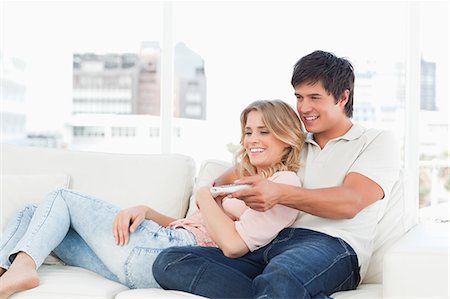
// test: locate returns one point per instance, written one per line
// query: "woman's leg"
(46, 229)
(20, 276)
(15, 229)
(72, 243)
(131, 264)
(74, 251)
(92, 219)
(23, 273)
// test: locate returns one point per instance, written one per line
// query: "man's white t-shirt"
(372, 153)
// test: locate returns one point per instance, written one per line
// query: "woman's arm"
(221, 228)
(128, 220)
(228, 177)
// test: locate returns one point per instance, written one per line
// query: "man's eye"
(248, 133)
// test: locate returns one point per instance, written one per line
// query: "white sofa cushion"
(417, 265)
(17, 191)
(209, 171)
(398, 218)
(163, 182)
(154, 293)
(364, 291)
(60, 282)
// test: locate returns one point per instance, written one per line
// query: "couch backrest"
(163, 182)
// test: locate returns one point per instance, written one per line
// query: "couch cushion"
(399, 216)
(163, 182)
(71, 282)
(17, 191)
(209, 171)
(364, 291)
(154, 293)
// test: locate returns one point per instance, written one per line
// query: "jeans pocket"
(138, 268)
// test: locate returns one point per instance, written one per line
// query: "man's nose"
(304, 106)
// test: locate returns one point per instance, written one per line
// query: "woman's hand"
(202, 193)
(126, 222)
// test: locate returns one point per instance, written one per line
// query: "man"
(347, 175)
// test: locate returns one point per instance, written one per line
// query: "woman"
(77, 227)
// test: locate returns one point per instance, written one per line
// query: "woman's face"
(262, 147)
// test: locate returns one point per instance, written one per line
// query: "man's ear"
(344, 98)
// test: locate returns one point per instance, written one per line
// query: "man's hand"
(262, 196)
(127, 221)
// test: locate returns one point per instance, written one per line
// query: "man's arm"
(342, 202)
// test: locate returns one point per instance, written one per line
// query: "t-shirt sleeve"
(379, 161)
(256, 228)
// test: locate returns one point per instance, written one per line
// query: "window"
(252, 57)
(103, 79)
(434, 154)
(74, 81)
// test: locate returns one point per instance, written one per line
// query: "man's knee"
(279, 281)
(167, 265)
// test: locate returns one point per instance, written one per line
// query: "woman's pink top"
(257, 229)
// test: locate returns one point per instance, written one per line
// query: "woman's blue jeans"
(299, 263)
(78, 228)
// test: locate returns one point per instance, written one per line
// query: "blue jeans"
(299, 263)
(78, 228)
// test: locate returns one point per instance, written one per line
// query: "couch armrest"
(417, 265)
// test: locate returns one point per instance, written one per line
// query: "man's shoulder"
(376, 135)
(369, 135)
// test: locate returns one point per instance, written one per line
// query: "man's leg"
(306, 264)
(207, 272)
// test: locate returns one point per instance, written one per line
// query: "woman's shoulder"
(285, 177)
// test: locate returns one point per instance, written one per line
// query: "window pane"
(434, 118)
(249, 50)
(82, 75)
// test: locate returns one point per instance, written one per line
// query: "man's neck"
(322, 138)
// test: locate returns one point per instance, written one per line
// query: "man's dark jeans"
(299, 263)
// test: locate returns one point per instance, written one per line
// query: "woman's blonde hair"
(281, 121)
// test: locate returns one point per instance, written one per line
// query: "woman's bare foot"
(21, 276)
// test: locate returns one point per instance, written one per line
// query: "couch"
(166, 182)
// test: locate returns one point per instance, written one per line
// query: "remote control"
(227, 189)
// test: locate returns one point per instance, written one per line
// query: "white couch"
(165, 182)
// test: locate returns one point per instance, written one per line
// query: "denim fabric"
(78, 228)
(299, 263)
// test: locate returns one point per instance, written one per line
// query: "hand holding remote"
(228, 189)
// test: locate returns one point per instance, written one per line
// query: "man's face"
(318, 110)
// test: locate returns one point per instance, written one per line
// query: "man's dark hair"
(336, 75)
